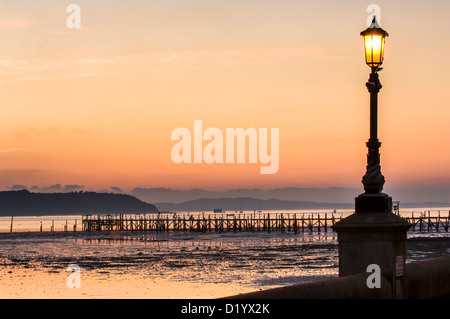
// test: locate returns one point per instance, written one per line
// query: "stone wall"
(423, 279)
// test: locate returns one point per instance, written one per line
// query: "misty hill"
(25, 203)
(297, 197)
(168, 195)
(245, 203)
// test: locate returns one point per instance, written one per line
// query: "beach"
(173, 265)
(164, 265)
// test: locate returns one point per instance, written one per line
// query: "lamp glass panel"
(374, 45)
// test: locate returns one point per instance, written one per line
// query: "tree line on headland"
(25, 203)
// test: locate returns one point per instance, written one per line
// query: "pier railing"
(427, 222)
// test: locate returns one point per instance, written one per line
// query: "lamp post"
(373, 199)
(374, 39)
(373, 234)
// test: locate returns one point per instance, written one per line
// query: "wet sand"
(23, 283)
(171, 266)
(147, 265)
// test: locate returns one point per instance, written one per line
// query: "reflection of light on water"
(29, 283)
(247, 260)
(59, 222)
(34, 223)
(201, 265)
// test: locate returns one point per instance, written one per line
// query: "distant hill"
(25, 203)
(329, 195)
(245, 203)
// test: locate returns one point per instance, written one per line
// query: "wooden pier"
(426, 222)
(211, 223)
(290, 222)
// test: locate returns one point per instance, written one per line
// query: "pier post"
(318, 222)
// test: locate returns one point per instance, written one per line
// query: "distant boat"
(218, 210)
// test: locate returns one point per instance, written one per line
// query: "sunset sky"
(96, 106)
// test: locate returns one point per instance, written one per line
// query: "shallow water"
(173, 265)
(162, 265)
(248, 258)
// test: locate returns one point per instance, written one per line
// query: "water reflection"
(245, 261)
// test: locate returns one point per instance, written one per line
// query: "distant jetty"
(211, 223)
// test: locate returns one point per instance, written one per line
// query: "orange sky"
(96, 106)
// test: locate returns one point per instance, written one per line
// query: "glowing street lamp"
(374, 38)
(373, 180)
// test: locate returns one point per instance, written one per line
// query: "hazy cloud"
(53, 188)
(72, 188)
(117, 190)
(12, 174)
(58, 188)
(40, 69)
(9, 150)
(16, 23)
(18, 187)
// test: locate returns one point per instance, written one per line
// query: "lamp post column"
(373, 180)
(373, 200)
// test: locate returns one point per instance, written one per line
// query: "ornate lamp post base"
(373, 238)
(373, 203)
